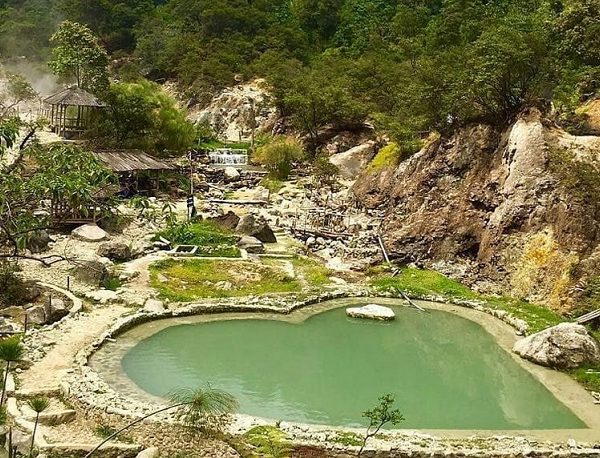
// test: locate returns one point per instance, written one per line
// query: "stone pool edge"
(85, 386)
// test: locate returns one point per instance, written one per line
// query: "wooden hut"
(70, 111)
(139, 173)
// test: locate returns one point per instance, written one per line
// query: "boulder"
(89, 233)
(231, 174)
(372, 312)
(103, 296)
(36, 314)
(250, 225)
(251, 244)
(229, 220)
(31, 291)
(352, 162)
(564, 346)
(92, 272)
(38, 241)
(154, 306)
(151, 452)
(115, 251)
(56, 310)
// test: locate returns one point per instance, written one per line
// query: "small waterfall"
(229, 156)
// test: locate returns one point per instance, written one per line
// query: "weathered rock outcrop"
(256, 227)
(564, 346)
(520, 207)
(115, 251)
(353, 161)
(231, 112)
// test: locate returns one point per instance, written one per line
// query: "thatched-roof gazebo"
(70, 111)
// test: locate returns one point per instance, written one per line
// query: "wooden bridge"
(591, 316)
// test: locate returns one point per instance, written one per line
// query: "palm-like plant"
(11, 350)
(199, 408)
(38, 405)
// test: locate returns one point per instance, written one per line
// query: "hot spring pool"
(445, 371)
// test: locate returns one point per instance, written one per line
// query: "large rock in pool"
(89, 233)
(372, 312)
(564, 346)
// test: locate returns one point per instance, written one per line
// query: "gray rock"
(564, 346)
(103, 296)
(92, 272)
(151, 452)
(372, 312)
(115, 251)
(154, 306)
(89, 233)
(231, 174)
(251, 244)
(38, 241)
(258, 228)
(56, 311)
(229, 220)
(36, 315)
(353, 161)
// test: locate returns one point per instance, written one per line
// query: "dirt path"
(69, 338)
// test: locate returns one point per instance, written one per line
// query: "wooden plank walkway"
(589, 317)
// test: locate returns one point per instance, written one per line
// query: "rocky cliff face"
(518, 210)
(232, 112)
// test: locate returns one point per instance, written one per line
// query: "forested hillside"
(406, 65)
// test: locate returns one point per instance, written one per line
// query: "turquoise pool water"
(445, 371)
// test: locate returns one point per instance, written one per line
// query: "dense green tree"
(58, 172)
(78, 56)
(141, 115)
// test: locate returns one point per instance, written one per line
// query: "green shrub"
(13, 290)
(279, 154)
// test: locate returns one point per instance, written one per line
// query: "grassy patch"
(272, 184)
(212, 240)
(313, 272)
(188, 280)
(589, 377)
(347, 438)
(310, 272)
(424, 282)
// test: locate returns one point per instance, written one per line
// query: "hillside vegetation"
(406, 65)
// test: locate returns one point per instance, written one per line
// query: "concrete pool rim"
(85, 383)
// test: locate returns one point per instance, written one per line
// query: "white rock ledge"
(372, 312)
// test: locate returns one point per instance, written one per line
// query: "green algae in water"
(446, 372)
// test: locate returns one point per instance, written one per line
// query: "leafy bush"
(142, 115)
(13, 291)
(324, 172)
(279, 154)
